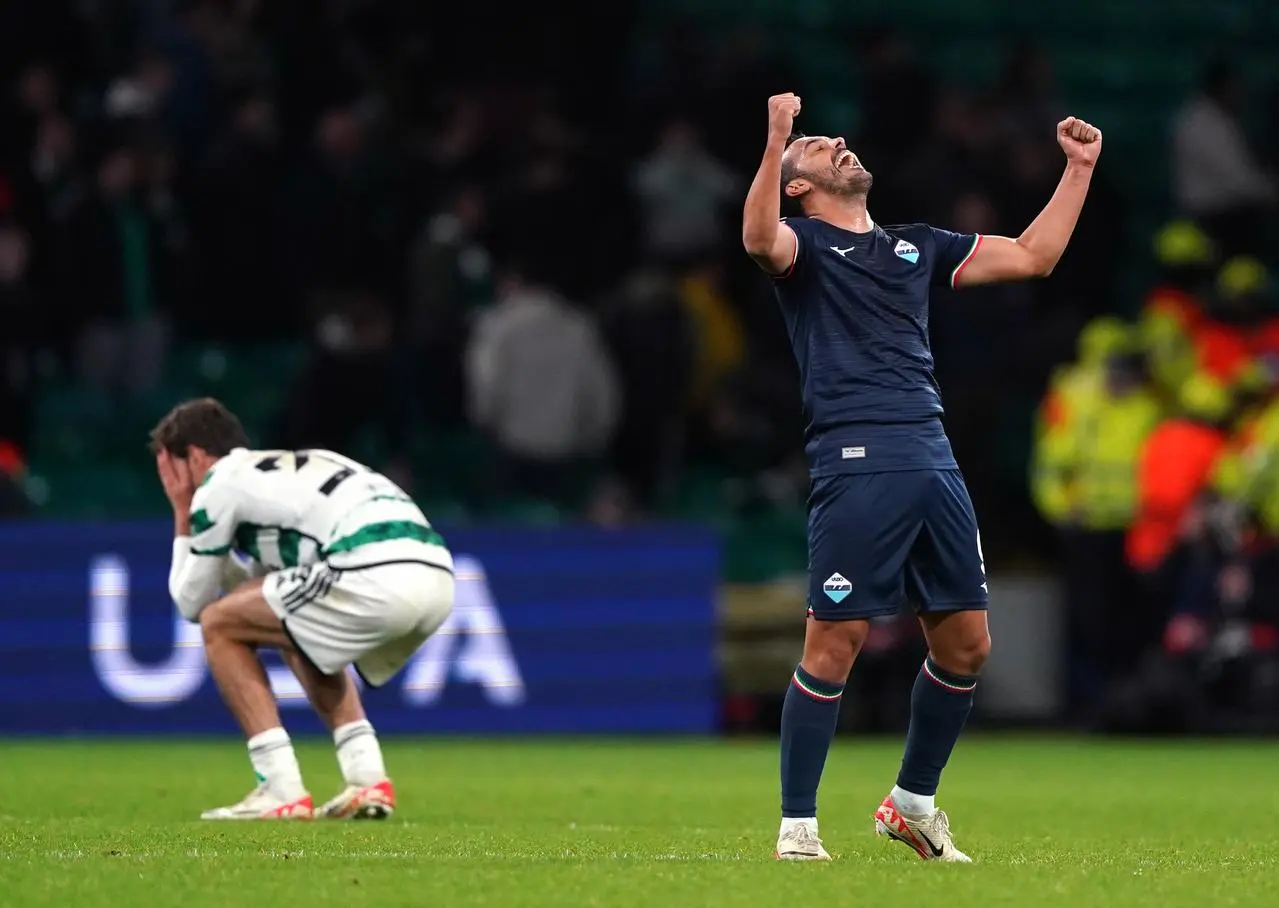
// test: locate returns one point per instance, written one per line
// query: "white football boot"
(361, 802)
(928, 836)
(264, 804)
(799, 842)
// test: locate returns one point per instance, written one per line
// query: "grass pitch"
(518, 823)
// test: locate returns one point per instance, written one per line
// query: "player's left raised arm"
(1036, 252)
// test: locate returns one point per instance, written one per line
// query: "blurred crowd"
(1156, 458)
(542, 248)
(539, 243)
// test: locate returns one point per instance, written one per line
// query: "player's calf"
(809, 716)
(942, 698)
(367, 793)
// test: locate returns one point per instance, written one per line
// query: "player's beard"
(845, 185)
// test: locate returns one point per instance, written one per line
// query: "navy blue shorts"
(879, 540)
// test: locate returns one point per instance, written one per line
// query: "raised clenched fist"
(782, 111)
(1079, 140)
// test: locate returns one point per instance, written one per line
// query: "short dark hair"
(790, 170)
(203, 423)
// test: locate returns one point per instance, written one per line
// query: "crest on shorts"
(907, 251)
(837, 587)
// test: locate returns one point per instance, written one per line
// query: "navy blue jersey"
(856, 308)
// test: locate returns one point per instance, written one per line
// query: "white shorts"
(373, 618)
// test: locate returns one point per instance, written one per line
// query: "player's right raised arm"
(768, 241)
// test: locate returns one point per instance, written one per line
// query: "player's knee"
(213, 623)
(968, 653)
(831, 647)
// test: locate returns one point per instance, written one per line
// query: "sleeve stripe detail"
(954, 275)
(794, 259)
(217, 553)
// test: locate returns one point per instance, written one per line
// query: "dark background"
(492, 249)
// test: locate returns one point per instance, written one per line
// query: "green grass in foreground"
(621, 823)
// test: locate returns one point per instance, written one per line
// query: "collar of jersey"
(875, 229)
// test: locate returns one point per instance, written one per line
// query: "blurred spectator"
(449, 279)
(142, 93)
(343, 390)
(683, 191)
(1227, 339)
(721, 344)
(240, 296)
(611, 505)
(745, 431)
(33, 97)
(553, 197)
(1217, 178)
(1168, 544)
(1027, 92)
(21, 317)
(722, 81)
(340, 220)
(543, 387)
(897, 93)
(119, 272)
(961, 155)
(647, 324)
(13, 500)
(451, 149)
(54, 176)
(975, 374)
(1079, 286)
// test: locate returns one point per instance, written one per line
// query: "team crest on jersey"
(907, 251)
(837, 587)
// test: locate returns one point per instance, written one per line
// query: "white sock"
(359, 754)
(273, 759)
(788, 822)
(913, 805)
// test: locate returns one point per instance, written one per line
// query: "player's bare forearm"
(1049, 233)
(772, 245)
(1036, 252)
(181, 523)
(194, 582)
(763, 211)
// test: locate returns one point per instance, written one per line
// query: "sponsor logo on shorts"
(837, 587)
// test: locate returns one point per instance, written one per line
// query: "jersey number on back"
(300, 459)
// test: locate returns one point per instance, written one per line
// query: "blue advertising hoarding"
(569, 630)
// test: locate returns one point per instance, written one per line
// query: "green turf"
(1051, 822)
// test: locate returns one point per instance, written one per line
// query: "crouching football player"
(344, 570)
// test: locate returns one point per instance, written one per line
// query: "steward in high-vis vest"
(1070, 392)
(1091, 432)
(1176, 464)
(1237, 330)
(1173, 309)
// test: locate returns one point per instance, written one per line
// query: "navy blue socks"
(939, 707)
(808, 726)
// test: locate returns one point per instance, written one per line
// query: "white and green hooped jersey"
(283, 509)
